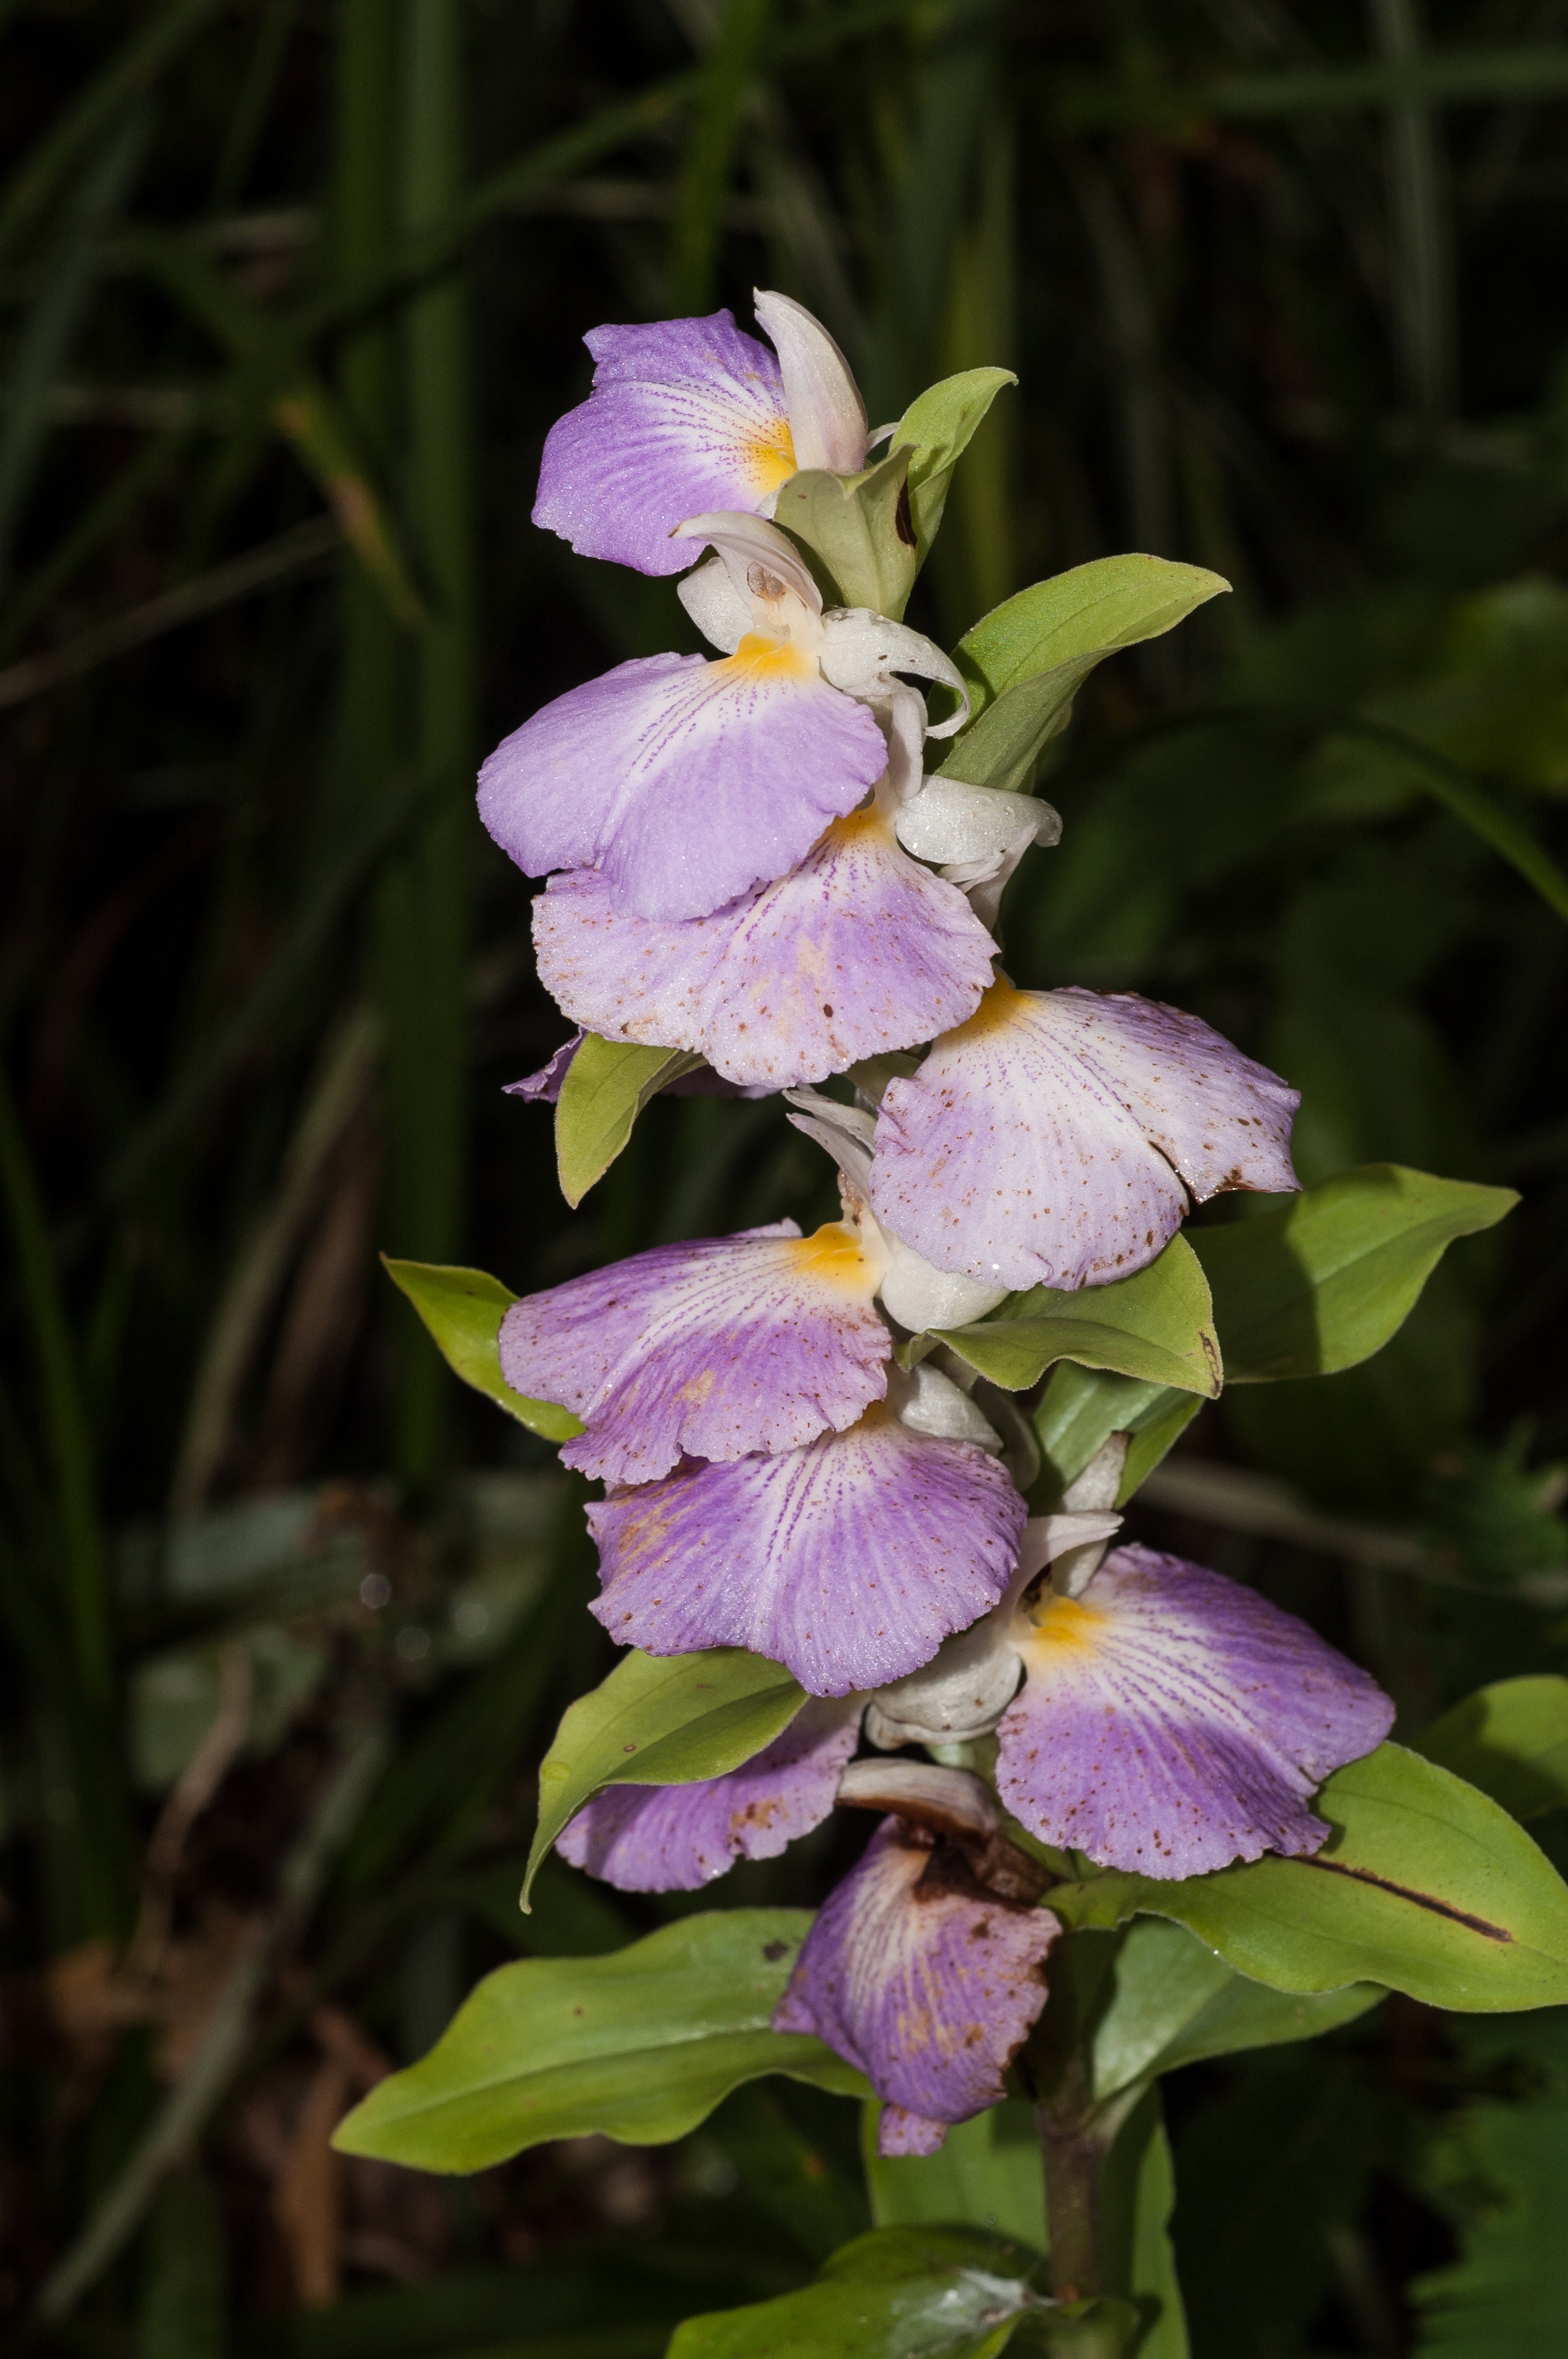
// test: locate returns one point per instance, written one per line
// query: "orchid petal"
(858, 950)
(1172, 1720)
(687, 781)
(1035, 1144)
(685, 416)
(546, 1084)
(849, 1560)
(923, 1978)
(826, 415)
(677, 1838)
(756, 1342)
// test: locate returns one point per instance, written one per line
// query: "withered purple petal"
(923, 1979)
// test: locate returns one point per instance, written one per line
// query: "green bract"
(463, 1309)
(858, 528)
(1156, 1326)
(1322, 1280)
(640, 2046)
(665, 1720)
(607, 1084)
(1424, 1886)
(1026, 661)
(911, 2293)
(936, 429)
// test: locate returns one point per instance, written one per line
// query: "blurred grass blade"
(101, 517)
(711, 140)
(65, 1414)
(1421, 247)
(254, 104)
(133, 69)
(56, 314)
(1459, 793)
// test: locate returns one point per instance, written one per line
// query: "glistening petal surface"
(848, 1561)
(709, 1349)
(1172, 1720)
(925, 1980)
(1035, 1144)
(675, 1838)
(858, 951)
(685, 416)
(686, 781)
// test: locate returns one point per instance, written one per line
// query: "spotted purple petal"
(848, 1561)
(753, 1342)
(1172, 1722)
(922, 1979)
(675, 1838)
(687, 781)
(685, 417)
(1035, 1145)
(858, 951)
(545, 1084)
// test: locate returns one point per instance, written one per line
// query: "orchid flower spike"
(692, 415)
(1046, 1141)
(926, 1967)
(686, 781)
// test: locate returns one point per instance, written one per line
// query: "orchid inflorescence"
(747, 861)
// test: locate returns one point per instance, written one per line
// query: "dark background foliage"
(290, 291)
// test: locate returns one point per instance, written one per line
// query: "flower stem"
(1074, 2157)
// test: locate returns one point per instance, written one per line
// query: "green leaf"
(1424, 1886)
(1155, 1325)
(1170, 2000)
(1322, 1280)
(909, 2293)
(1080, 1410)
(987, 2173)
(608, 1084)
(661, 1719)
(463, 1309)
(936, 429)
(860, 527)
(639, 2046)
(1138, 2195)
(1511, 1740)
(1026, 661)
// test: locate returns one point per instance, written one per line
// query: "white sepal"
(948, 1801)
(862, 651)
(715, 605)
(920, 1296)
(827, 415)
(948, 822)
(1094, 1490)
(929, 1403)
(846, 1133)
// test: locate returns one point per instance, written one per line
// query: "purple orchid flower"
(1046, 1141)
(686, 781)
(925, 1966)
(691, 415)
(847, 1560)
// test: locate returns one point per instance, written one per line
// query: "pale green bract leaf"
(1138, 2195)
(1080, 1409)
(911, 2293)
(860, 527)
(936, 429)
(1322, 1280)
(1173, 2002)
(1026, 661)
(661, 1719)
(1155, 1325)
(463, 1309)
(987, 2171)
(640, 2045)
(607, 1085)
(1424, 1886)
(1511, 1740)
